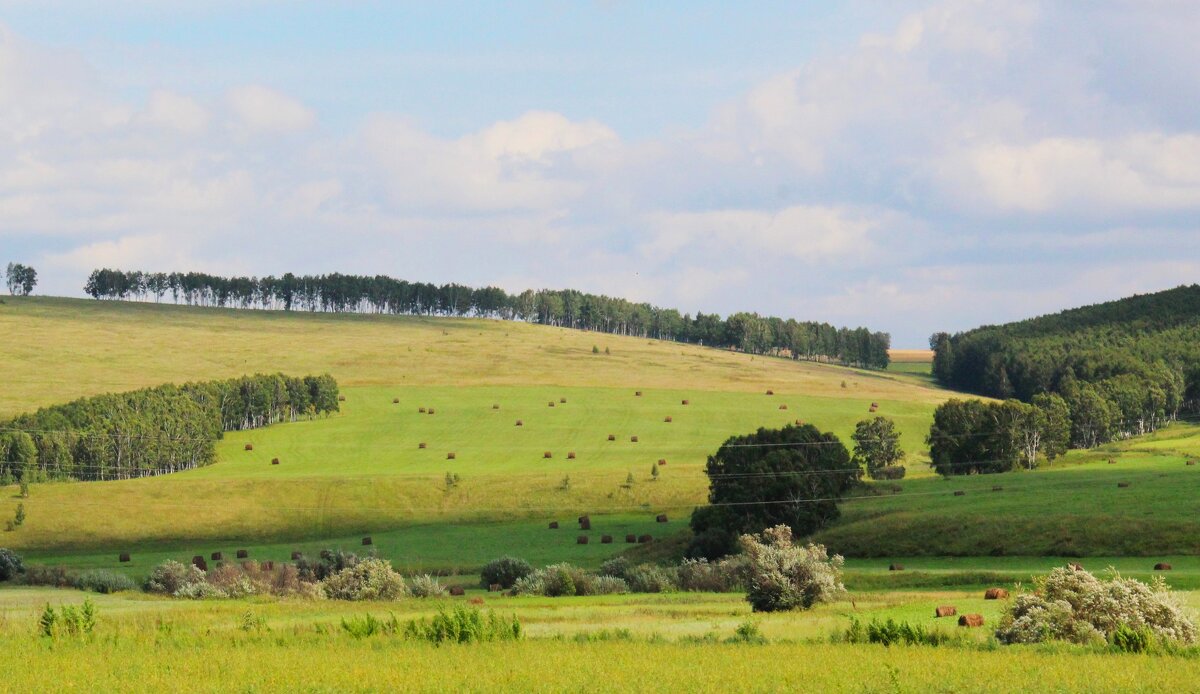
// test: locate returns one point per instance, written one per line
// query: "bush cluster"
(504, 572)
(1073, 605)
(369, 579)
(781, 575)
(10, 564)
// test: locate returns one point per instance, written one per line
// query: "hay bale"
(581, 540)
(217, 556)
(367, 541)
(995, 594)
(562, 400)
(783, 407)
(1191, 462)
(520, 423)
(643, 539)
(960, 493)
(612, 437)
(872, 409)
(685, 402)
(395, 401)
(1112, 461)
(341, 398)
(583, 518)
(660, 518)
(243, 554)
(585, 524)
(274, 461)
(570, 455)
(662, 461)
(970, 620)
(638, 394)
(297, 555)
(874, 404)
(631, 539)
(421, 445)
(945, 611)
(1122, 485)
(1075, 566)
(551, 403)
(249, 447)
(547, 454)
(421, 410)
(668, 420)
(495, 407)
(633, 439)
(199, 563)
(1162, 566)
(450, 455)
(606, 539)
(770, 392)
(554, 525)
(895, 567)
(431, 410)
(457, 591)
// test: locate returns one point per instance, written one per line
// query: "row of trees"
(21, 279)
(154, 430)
(973, 436)
(340, 293)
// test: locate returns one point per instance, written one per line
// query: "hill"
(362, 471)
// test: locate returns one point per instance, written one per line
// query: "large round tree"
(792, 476)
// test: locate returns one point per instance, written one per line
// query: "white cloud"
(177, 112)
(262, 109)
(809, 233)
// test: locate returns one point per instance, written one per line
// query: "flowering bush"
(426, 586)
(369, 579)
(781, 575)
(1073, 605)
(171, 576)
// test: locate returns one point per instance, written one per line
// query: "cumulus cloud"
(262, 109)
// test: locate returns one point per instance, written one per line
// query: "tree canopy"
(21, 279)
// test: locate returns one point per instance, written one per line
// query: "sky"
(911, 167)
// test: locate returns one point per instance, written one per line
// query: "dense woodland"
(569, 308)
(154, 430)
(1122, 368)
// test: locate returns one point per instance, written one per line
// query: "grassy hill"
(362, 471)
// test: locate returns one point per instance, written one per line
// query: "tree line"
(152, 431)
(1122, 368)
(338, 293)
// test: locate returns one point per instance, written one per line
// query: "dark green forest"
(1123, 368)
(152, 431)
(569, 308)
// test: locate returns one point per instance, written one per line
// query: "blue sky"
(908, 166)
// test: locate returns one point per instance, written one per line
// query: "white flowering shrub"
(370, 579)
(426, 586)
(781, 575)
(1073, 605)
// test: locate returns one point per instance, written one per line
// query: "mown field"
(674, 642)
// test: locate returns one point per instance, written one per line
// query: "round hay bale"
(685, 402)
(297, 555)
(1122, 485)
(770, 392)
(612, 437)
(585, 524)
(581, 540)
(249, 447)
(1162, 566)
(662, 461)
(274, 461)
(554, 525)
(606, 539)
(660, 518)
(243, 554)
(421, 445)
(563, 400)
(643, 539)
(520, 423)
(367, 541)
(584, 518)
(1112, 461)
(638, 394)
(960, 493)
(217, 556)
(668, 420)
(547, 454)
(341, 398)
(395, 401)
(631, 539)
(945, 611)
(457, 591)
(874, 404)
(895, 567)
(421, 410)
(1191, 462)
(799, 422)
(570, 455)
(633, 439)
(431, 410)
(550, 404)
(970, 620)
(450, 456)
(199, 563)
(995, 594)
(783, 407)
(495, 407)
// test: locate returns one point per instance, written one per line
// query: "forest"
(1123, 368)
(152, 431)
(338, 293)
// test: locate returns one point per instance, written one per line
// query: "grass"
(613, 643)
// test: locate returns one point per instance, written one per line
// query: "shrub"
(891, 472)
(104, 581)
(747, 632)
(1129, 640)
(783, 576)
(369, 579)
(464, 625)
(330, 562)
(233, 581)
(615, 567)
(10, 564)
(53, 576)
(892, 632)
(504, 572)
(171, 576)
(1073, 605)
(558, 580)
(701, 575)
(607, 585)
(426, 586)
(200, 591)
(651, 578)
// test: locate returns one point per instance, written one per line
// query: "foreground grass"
(616, 643)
